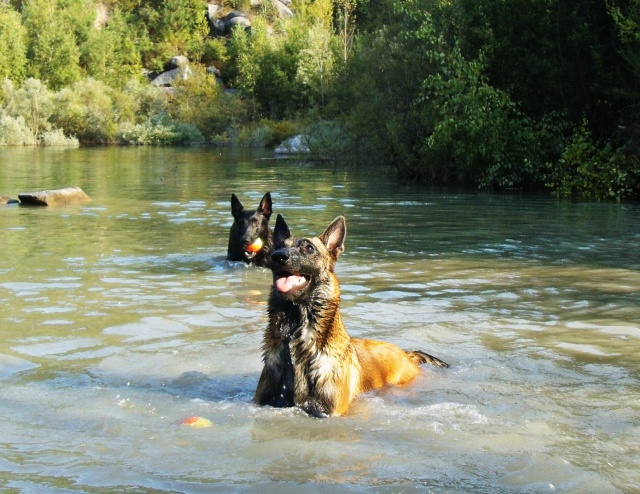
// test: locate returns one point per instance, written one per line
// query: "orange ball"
(255, 246)
(197, 422)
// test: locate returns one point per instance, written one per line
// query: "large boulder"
(236, 20)
(284, 12)
(294, 145)
(178, 62)
(55, 197)
(169, 77)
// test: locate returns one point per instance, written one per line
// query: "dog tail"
(420, 357)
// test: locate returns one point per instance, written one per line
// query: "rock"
(212, 10)
(214, 71)
(4, 200)
(55, 197)
(294, 145)
(217, 27)
(232, 14)
(284, 12)
(237, 21)
(178, 62)
(170, 76)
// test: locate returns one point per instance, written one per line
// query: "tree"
(33, 102)
(175, 27)
(111, 54)
(12, 45)
(52, 53)
(315, 67)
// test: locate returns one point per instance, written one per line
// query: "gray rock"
(284, 12)
(294, 145)
(237, 21)
(178, 62)
(169, 77)
(217, 27)
(55, 197)
(214, 71)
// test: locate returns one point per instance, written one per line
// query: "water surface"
(121, 317)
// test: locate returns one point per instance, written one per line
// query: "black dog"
(250, 238)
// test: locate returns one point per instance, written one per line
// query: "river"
(121, 317)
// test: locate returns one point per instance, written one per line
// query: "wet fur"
(310, 360)
(246, 228)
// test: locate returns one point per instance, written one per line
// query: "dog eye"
(309, 248)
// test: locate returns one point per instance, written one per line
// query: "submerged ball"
(197, 422)
(255, 246)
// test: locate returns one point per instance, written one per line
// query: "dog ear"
(281, 231)
(236, 206)
(333, 237)
(265, 206)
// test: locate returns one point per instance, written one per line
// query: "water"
(121, 317)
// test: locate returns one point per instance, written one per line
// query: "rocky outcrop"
(55, 197)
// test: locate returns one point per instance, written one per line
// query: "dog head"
(250, 235)
(301, 265)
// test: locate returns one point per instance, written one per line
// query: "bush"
(86, 111)
(32, 102)
(590, 170)
(159, 131)
(57, 138)
(327, 141)
(15, 132)
(201, 102)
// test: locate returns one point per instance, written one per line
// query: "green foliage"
(478, 129)
(159, 131)
(327, 141)
(14, 131)
(590, 171)
(12, 45)
(32, 103)
(57, 138)
(86, 111)
(315, 67)
(173, 27)
(111, 54)
(199, 101)
(51, 49)
(265, 133)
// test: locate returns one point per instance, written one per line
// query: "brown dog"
(310, 360)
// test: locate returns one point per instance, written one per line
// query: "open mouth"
(287, 283)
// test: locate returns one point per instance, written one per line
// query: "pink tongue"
(285, 284)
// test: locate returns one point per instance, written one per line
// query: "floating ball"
(197, 422)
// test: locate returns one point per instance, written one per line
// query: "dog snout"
(280, 256)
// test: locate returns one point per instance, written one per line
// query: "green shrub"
(33, 102)
(590, 170)
(56, 137)
(86, 111)
(159, 132)
(327, 141)
(15, 132)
